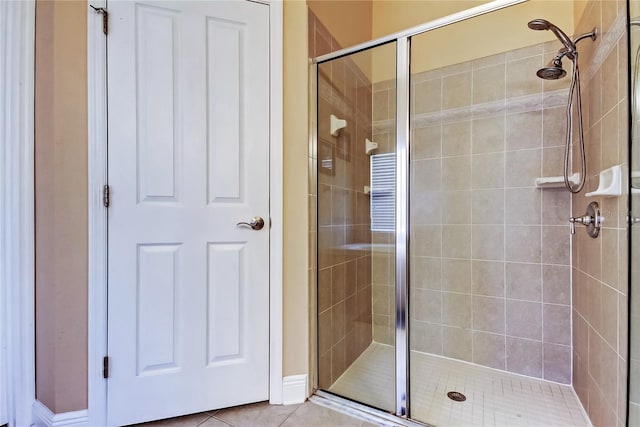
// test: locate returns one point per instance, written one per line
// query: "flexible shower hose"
(574, 89)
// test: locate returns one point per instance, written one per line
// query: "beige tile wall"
(344, 298)
(490, 263)
(600, 282)
(383, 256)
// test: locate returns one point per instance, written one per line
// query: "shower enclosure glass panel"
(356, 226)
(634, 247)
(457, 217)
(489, 271)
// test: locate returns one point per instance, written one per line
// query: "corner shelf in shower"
(556, 181)
(609, 183)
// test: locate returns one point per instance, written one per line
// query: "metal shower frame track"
(403, 59)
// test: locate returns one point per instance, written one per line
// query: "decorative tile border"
(521, 104)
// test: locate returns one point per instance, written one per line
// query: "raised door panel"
(226, 292)
(158, 107)
(157, 295)
(188, 159)
(225, 75)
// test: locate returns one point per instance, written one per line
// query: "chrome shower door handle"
(256, 223)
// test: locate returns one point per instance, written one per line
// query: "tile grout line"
(292, 412)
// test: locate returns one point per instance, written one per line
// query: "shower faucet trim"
(591, 219)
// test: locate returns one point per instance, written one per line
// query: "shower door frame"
(403, 141)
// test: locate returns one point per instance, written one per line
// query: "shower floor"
(494, 398)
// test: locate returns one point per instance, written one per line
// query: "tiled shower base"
(494, 398)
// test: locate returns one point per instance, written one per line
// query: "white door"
(188, 159)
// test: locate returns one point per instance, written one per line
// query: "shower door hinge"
(105, 367)
(106, 196)
(105, 18)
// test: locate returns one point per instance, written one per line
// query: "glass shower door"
(490, 257)
(634, 248)
(355, 159)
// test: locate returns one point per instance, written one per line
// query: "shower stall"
(443, 265)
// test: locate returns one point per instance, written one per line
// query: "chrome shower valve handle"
(592, 220)
(584, 220)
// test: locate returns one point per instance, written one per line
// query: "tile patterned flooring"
(262, 414)
(494, 398)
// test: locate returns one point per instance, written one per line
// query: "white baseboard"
(43, 417)
(294, 389)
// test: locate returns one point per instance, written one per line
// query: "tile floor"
(494, 398)
(262, 414)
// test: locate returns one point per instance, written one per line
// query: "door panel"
(158, 95)
(224, 40)
(224, 307)
(156, 308)
(188, 160)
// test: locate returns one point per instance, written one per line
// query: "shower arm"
(570, 54)
(593, 34)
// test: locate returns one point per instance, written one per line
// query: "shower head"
(554, 70)
(543, 24)
(551, 73)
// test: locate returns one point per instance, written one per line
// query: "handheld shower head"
(543, 24)
(539, 24)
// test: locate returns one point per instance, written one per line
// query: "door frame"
(97, 177)
(17, 228)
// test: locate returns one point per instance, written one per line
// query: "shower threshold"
(493, 397)
(360, 411)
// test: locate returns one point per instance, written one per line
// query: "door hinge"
(106, 196)
(105, 367)
(105, 18)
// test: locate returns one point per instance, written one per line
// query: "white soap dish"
(370, 146)
(336, 125)
(610, 183)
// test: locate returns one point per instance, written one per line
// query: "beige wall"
(390, 16)
(579, 7)
(295, 262)
(485, 35)
(350, 22)
(61, 205)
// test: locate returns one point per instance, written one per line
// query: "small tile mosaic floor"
(494, 398)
